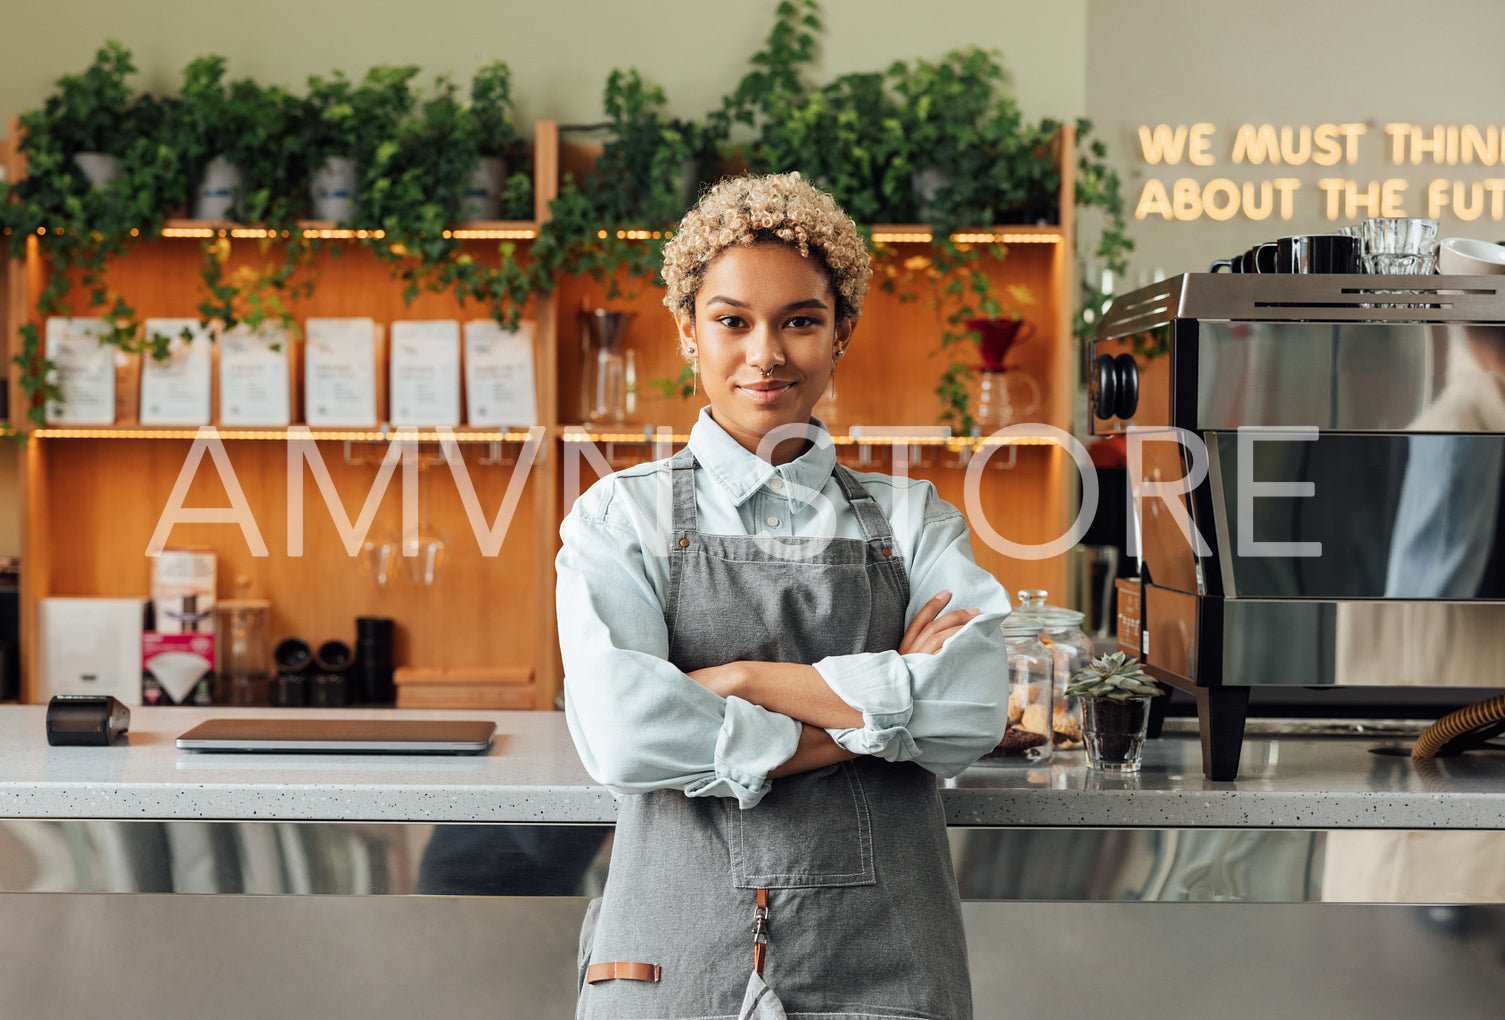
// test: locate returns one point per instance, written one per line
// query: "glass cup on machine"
(1400, 245)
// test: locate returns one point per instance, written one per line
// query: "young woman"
(760, 662)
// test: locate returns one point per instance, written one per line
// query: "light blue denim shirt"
(640, 724)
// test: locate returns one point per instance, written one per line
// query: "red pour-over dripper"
(996, 336)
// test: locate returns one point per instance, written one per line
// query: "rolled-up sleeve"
(638, 722)
(942, 710)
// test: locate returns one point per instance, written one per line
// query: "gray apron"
(863, 918)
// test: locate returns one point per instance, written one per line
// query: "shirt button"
(777, 484)
(772, 522)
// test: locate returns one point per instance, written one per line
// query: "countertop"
(532, 774)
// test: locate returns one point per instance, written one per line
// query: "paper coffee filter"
(177, 672)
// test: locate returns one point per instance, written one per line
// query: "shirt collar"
(741, 473)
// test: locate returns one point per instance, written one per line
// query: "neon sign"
(1277, 193)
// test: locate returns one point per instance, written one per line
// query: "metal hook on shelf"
(496, 455)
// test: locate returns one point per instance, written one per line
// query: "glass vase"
(1114, 732)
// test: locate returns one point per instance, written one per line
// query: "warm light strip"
(275, 434)
(922, 237)
(953, 443)
(258, 232)
(636, 235)
(618, 437)
(1007, 441)
(491, 235)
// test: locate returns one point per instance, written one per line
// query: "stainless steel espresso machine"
(1315, 465)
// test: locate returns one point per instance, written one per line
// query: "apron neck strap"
(682, 467)
(875, 527)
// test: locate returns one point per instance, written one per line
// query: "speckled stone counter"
(532, 774)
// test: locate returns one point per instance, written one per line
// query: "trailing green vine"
(941, 142)
(78, 225)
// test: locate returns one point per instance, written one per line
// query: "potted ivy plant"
(78, 224)
(1115, 697)
(229, 136)
(412, 190)
(95, 116)
(496, 188)
(341, 124)
(648, 171)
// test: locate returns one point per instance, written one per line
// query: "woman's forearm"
(816, 750)
(789, 688)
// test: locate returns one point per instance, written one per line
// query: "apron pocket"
(810, 831)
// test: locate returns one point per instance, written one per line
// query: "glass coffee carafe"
(244, 659)
(604, 366)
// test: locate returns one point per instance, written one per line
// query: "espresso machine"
(1315, 472)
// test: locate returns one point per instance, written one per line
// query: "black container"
(371, 678)
(293, 656)
(333, 657)
(288, 690)
(328, 690)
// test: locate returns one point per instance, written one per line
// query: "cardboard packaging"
(177, 655)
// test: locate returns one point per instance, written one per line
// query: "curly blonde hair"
(773, 208)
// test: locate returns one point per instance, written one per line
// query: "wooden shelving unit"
(92, 497)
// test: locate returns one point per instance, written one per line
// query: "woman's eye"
(802, 322)
(730, 321)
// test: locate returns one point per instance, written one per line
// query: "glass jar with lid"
(245, 661)
(1070, 651)
(1028, 739)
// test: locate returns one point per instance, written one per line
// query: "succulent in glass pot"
(1115, 697)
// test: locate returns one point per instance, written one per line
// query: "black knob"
(1103, 387)
(1127, 397)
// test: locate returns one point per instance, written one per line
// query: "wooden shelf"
(92, 495)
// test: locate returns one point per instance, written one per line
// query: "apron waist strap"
(621, 971)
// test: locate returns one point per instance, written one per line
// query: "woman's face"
(760, 308)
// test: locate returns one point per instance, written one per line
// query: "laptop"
(341, 736)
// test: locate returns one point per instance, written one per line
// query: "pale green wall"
(1287, 62)
(560, 54)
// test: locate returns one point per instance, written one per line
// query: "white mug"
(1464, 256)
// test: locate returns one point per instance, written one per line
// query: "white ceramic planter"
(333, 189)
(927, 184)
(217, 190)
(482, 199)
(100, 168)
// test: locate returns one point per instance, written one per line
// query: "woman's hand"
(929, 630)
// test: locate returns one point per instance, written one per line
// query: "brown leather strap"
(760, 932)
(621, 971)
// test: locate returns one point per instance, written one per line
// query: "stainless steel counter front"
(362, 885)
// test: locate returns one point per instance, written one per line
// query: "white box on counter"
(89, 646)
